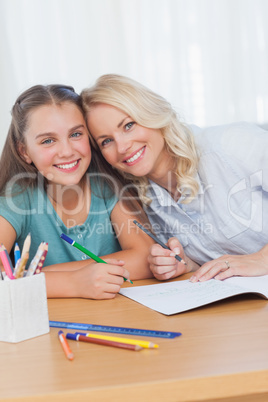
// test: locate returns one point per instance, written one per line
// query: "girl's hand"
(163, 263)
(99, 280)
(233, 265)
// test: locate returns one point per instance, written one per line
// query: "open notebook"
(178, 296)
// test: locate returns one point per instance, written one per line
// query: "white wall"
(208, 57)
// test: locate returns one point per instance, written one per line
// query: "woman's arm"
(255, 264)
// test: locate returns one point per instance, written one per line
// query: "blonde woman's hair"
(150, 110)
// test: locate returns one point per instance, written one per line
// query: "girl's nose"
(65, 149)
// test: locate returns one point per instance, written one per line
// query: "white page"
(174, 297)
(258, 284)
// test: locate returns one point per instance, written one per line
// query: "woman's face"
(57, 143)
(126, 145)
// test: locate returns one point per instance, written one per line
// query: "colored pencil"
(157, 240)
(65, 346)
(6, 262)
(144, 344)
(9, 260)
(21, 265)
(33, 264)
(16, 253)
(26, 245)
(104, 342)
(42, 259)
(84, 250)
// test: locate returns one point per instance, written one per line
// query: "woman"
(204, 191)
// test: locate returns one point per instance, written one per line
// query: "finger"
(114, 261)
(157, 250)
(162, 260)
(206, 268)
(112, 288)
(165, 276)
(174, 245)
(117, 272)
(224, 275)
(200, 272)
(108, 295)
(161, 269)
(210, 273)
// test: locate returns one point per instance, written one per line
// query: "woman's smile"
(135, 157)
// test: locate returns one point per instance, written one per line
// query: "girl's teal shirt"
(32, 212)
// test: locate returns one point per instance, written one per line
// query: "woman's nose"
(123, 145)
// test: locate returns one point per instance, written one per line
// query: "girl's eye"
(47, 141)
(105, 142)
(129, 125)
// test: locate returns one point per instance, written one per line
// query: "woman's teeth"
(136, 156)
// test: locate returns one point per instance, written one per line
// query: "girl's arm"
(92, 280)
(134, 242)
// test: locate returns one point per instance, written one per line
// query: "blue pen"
(16, 253)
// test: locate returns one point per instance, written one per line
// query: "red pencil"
(105, 342)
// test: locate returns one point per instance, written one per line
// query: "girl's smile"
(69, 167)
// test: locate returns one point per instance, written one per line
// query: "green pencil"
(85, 251)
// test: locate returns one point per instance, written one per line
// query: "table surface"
(222, 355)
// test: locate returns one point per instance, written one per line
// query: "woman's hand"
(99, 280)
(163, 263)
(255, 264)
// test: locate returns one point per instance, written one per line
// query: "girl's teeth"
(68, 166)
(135, 156)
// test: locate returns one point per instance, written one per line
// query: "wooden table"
(222, 355)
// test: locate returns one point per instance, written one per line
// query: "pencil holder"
(23, 308)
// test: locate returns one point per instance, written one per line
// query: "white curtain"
(209, 58)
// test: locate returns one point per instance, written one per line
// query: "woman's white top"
(229, 215)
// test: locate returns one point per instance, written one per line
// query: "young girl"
(47, 188)
(205, 191)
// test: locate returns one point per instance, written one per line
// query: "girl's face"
(126, 145)
(57, 143)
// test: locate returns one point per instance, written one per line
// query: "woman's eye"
(76, 134)
(105, 142)
(129, 125)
